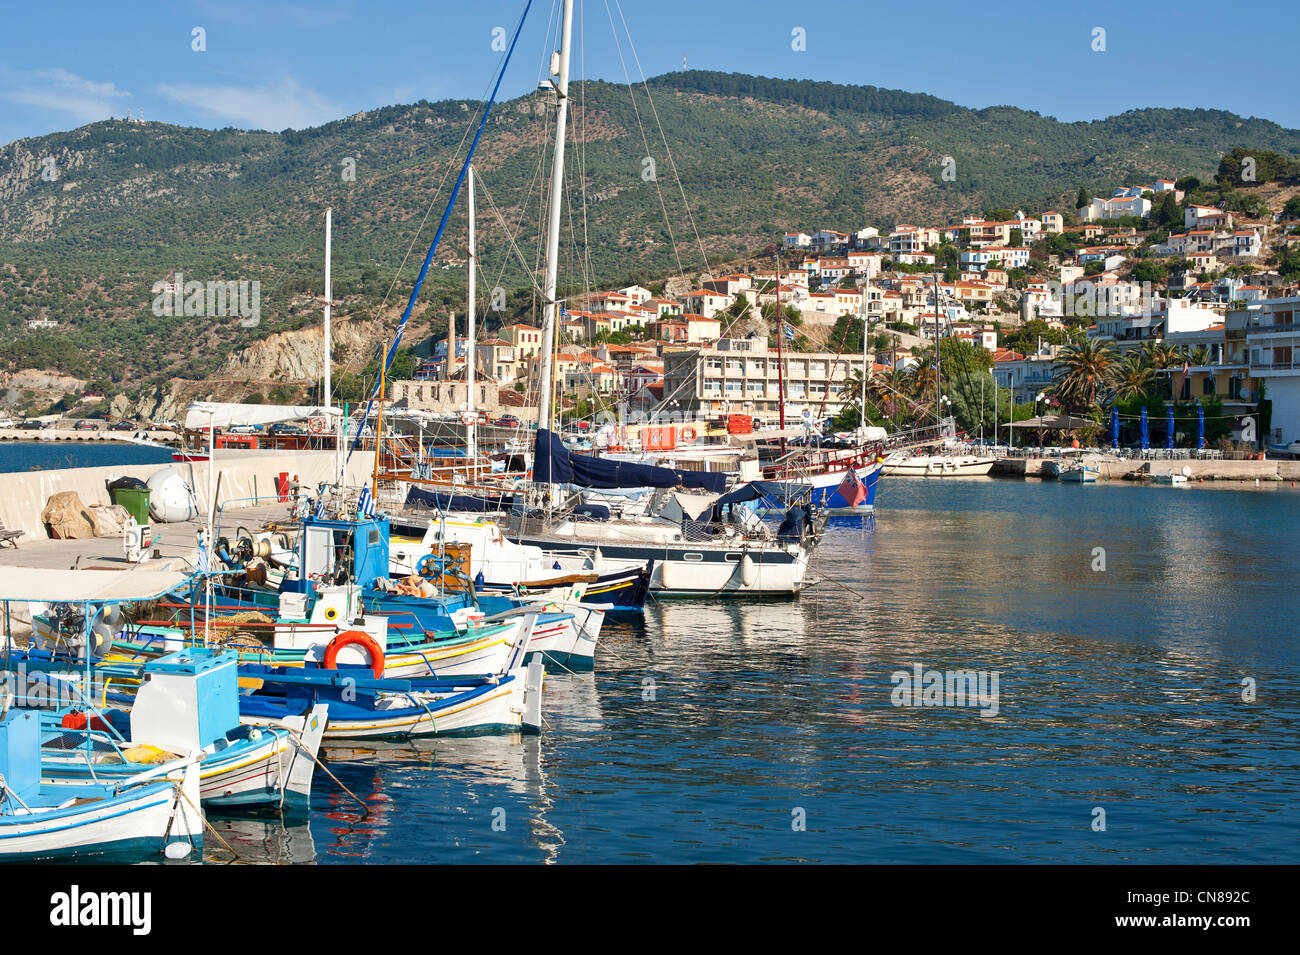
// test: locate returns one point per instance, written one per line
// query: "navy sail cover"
(554, 464)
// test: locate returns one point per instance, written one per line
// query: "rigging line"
(618, 45)
(442, 226)
(511, 245)
(523, 208)
(582, 140)
(667, 149)
(376, 312)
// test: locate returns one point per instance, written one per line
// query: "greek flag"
(564, 312)
(320, 508)
(205, 564)
(789, 332)
(366, 503)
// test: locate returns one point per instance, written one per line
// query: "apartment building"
(742, 375)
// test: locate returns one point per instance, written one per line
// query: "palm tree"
(1200, 356)
(1132, 376)
(1162, 355)
(1084, 368)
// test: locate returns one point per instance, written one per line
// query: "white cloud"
(282, 106)
(85, 100)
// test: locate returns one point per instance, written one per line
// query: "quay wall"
(243, 475)
(1129, 469)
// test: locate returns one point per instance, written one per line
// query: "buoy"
(177, 850)
(359, 638)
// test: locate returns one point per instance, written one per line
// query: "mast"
(327, 397)
(866, 367)
(471, 420)
(938, 364)
(780, 355)
(546, 383)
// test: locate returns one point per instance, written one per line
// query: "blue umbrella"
(1114, 427)
(1146, 443)
(1169, 427)
(1200, 424)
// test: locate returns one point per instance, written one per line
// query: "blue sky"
(274, 65)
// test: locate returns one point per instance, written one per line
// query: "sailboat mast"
(546, 384)
(780, 356)
(866, 368)
(938, 366)
(328, 391)
(471, 419)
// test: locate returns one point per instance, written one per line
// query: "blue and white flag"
(205, 564)
(564, 312)
(366, 503)
(320, 508)
(789, 332)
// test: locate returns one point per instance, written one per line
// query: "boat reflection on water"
(261, 839)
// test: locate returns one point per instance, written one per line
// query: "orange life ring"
(688, 434)
(348, 638)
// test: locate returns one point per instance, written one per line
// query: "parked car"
(123, 426)
(7, 423)
(287, 429)
(508, 421)
(244, 429)
(86, 424)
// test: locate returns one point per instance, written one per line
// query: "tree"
(1165, 211)
(1083, 200)
(1133, 376)
(1292, 208)
(1017, 238)
(1085, 368)
(1152, 272)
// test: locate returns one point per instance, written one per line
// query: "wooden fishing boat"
(145, 814)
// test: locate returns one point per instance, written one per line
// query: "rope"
(303, 746)
(207, 825)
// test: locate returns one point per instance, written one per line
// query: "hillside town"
(1172, 295)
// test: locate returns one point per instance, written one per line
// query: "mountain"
(93, 219)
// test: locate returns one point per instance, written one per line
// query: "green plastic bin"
(135, 501)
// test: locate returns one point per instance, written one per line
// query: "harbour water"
(765, 731)
(50, 455)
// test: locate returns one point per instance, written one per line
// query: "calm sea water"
(712, 729)
(45, 455)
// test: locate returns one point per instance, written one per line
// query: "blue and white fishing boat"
(363, 707)
(145, 813)
(183, 702)
(148, 813)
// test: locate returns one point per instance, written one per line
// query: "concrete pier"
(1115, 468)
(244, 477)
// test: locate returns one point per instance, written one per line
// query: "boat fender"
(359, 638)
(748, 571)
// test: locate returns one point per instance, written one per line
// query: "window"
(1207, 386)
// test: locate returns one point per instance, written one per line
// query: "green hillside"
(134, 203)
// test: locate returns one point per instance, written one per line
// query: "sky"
(275, 65)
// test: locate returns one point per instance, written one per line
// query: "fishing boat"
(186, 702)
(1080, 473)
(1172, 477)
(362, 707)
(141, 814)
(500, 566)
(146, 814)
